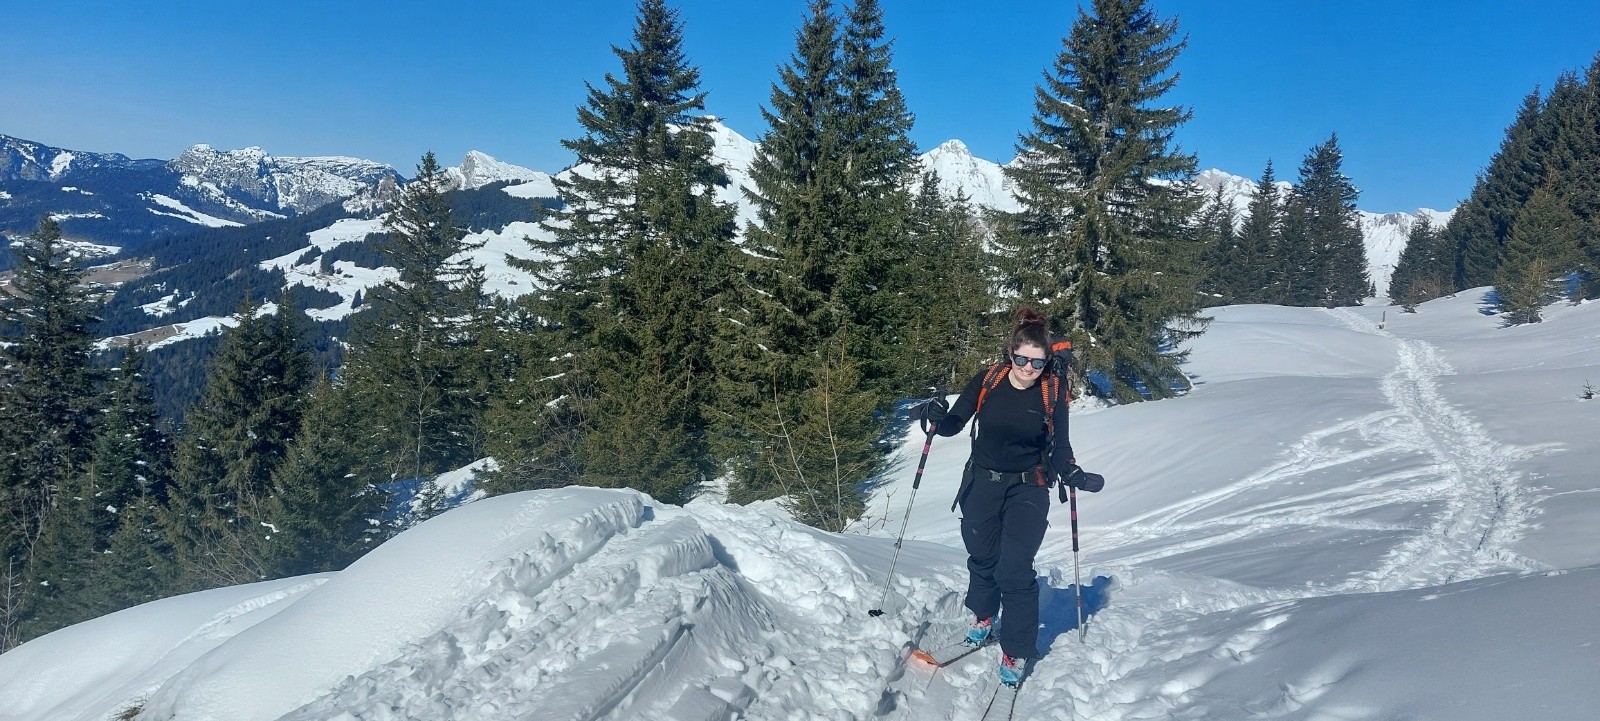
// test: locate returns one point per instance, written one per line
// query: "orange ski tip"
(924, 657)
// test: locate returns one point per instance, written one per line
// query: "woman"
(1020, 449)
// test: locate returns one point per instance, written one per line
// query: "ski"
(1002, 704)
(946, 655)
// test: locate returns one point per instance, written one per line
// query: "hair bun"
(1027, 316)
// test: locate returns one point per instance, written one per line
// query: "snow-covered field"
(1358, 514)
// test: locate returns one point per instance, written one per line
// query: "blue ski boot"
(1011, 670)
(979, 633)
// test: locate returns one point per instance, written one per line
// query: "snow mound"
(565, 604)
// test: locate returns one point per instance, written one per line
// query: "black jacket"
(1011, 427)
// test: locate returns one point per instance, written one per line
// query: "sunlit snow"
(1356, 514)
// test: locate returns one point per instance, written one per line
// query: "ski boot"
(979, 633)
(1012, 669)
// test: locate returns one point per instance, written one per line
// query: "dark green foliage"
(1224, 258)
(490, 208)
(411, 362)
(1256, 276)
(950, 276)
(61, 566)
(1554, 144)
(47, 391)
(236, 437)
(320, 513)
(1425, 270)
(1103, 242)
(130, 472)
(1542, 245)
(1323, 256)
(640, 259)
(834, 292)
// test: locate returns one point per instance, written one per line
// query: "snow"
(538, 188)
(61, 162)
(166, 305)
(1357, 513)
(184, 212)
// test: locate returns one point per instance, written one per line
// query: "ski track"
(1144, 658)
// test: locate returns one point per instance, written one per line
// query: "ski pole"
(1077, 578)
(927, 444)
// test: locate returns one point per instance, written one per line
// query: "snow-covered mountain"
(1351, 517)
(273, 186)
(962, 174)
(112, 200)
(478, 169)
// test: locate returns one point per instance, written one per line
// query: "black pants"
(1002, 525)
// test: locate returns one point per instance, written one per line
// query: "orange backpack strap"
(991, 380)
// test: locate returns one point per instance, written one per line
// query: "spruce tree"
(640, 257)
(60, 569)
(1426, 268)
(412, 359)
(322, 515)
(237, 435)
(47, 395)
(950, 276)
(1542, 247)
(1223, 257)
(1102, 242)
(879, 160)
(1481, 225)
(1258, 274)
(1325, 253)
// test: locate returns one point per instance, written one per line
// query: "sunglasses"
(1022, 360)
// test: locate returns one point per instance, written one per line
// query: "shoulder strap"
(991, 380)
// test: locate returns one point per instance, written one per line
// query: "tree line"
(1300, 247)
(1531, 225)
(667, 349)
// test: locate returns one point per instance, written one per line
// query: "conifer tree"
(1542, 247)
(237, 435)
(129, 457)
(875, 204)
(1481, 224)
(1223, 256)
(411, 362)
(47, 391)
(950, 275)
(1258, 243)
(60, 570)
(322, 515)
(1426, 268)
(130, 469)
(1325, 256)
(640, 256)
(831, 282)
(1102, 241)
(137, 566)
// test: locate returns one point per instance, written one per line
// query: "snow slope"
(1357, 514)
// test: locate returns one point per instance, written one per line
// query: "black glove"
(932, 411)
(1077, 478)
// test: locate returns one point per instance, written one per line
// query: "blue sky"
(1419, 92)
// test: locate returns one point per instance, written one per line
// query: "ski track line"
(1487, 508)
(1145, 661)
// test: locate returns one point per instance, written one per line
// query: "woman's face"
(1028, 362)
